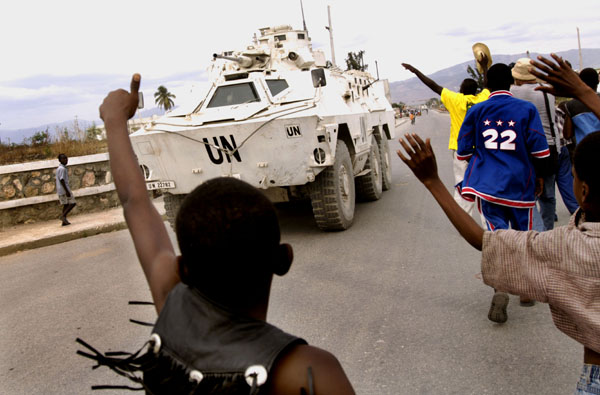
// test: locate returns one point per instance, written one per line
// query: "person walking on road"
(65, 195)
(457, 104)
(498, 138)
(524, 88)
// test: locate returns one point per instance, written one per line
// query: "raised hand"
(409, 67)
(421, 159)
(483, 60)
(121, 104)
(563, 80)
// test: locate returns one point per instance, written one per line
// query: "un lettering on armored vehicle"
(280, 117)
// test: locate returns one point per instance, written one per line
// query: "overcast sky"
(61, 57)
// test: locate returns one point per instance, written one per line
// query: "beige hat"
(478, 50)
(521, 70)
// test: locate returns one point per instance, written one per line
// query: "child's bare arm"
(421, 160)
(290, 373)
(150, 238)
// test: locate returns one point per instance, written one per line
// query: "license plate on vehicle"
(160, 185)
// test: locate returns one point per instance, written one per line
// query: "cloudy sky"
(61, 57)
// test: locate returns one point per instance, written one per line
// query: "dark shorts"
(504, 217)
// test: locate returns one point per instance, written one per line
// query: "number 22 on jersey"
(507, 138)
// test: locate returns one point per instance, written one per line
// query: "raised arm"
(421, 160)
(483, 62)
(564, 82)
(150, 238)
(424, 79)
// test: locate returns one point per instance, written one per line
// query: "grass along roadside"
(41, 146)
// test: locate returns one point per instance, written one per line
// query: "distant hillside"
(19, 135)
(410, 91)
(413, 91)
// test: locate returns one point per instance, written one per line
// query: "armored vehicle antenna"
(330, 28)
(303, 21)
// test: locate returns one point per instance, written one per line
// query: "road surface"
(398, 298)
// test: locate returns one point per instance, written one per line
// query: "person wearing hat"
(457, 104)
(524, 88)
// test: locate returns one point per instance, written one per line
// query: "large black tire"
(370, 186)
(332, 194)
(172, 204)
(386, 163)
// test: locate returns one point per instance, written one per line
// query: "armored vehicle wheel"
(332, 194)
(370, 186)
(172, 204)
(386, 163)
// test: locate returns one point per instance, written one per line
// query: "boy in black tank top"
(211, 335)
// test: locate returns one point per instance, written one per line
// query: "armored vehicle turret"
(280, 117)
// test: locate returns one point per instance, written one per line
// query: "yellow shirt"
(457, 105)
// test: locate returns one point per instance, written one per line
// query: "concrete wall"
(28, 190)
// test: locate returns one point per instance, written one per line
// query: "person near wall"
(65, 195)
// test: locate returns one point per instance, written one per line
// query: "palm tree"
(162, 98)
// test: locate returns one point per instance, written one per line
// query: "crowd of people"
(508, 143)
(211, 335)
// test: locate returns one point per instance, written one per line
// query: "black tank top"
(207, 349)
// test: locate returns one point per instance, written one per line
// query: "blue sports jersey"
(497, 137)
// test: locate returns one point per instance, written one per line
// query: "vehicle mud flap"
(370, 186)
(332, 194)
(386, 163)
(172, 204)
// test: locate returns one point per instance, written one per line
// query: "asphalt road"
(398, 298)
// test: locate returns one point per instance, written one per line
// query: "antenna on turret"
(330, 28)
(303, 21)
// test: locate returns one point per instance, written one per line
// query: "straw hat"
(478, 50)
(521, 70)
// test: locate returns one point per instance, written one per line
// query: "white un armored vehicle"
(280, 117)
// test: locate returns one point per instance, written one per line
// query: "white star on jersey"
(499, 122)
(511, 123)
(486, 122)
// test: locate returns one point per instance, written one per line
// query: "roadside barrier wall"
(28, 190)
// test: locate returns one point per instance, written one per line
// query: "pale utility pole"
(330, 28)
(580, 57)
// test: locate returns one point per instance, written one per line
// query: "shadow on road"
(296, 217)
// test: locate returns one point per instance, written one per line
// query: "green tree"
(40, 138)
(355, 61)
(93, 133)
(163, 98)
(476, 75)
